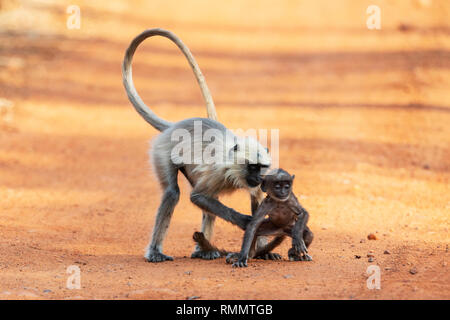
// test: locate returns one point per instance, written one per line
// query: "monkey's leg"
(207, 230)
(256, 197)
(308, 236)
(266, 250)
(169, 200)
(263, 246)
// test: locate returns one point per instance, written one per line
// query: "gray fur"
(208, 180)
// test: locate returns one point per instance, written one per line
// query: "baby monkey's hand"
(299, 252)
(299, 245)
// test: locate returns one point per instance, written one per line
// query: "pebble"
(372, 237)
(371, 259)
(413, 271)
(192, 297)
(47, 291)
(287, 276)
(387, 252)
(357, 257)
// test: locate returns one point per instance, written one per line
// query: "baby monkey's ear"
(292, 177)
(263, 186)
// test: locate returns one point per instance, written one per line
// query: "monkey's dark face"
(278, 184)
(253, 176)
(281, 189)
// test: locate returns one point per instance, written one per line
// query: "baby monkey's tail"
(205, 245)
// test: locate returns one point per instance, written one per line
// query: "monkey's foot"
(240, 263)
(157, 257)
(206, 255)
(305, 257)
(232, 257)
(269, 256)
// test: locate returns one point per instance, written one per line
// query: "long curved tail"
(137, 102)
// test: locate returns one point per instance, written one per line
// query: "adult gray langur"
(244, 160)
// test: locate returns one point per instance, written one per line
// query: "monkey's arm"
(250, 232)
(215, 207)
(298, 243)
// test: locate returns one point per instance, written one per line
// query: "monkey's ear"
(263, 186)
(292, 177)
(236, 147)
(267, 149)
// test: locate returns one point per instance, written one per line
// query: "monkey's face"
(250, 160)
(278, 184)
(281, 190)
(253, 176)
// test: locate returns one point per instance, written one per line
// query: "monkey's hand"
(299, 246)
(232, 257)
(241, 262)
(294, 256)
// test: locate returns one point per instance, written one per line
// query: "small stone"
(413, 271)
(370, 259)
(372, 237)
(387, 252)
(47, 291)
(388, 268)
(404, 27)
(370, 255)
(287, 276)
(188, 273)
(193, 297)
(357, 257)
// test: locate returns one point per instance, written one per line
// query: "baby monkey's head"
(278, 184)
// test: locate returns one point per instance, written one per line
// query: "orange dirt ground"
(364, 125)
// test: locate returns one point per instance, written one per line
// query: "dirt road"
(364, 125)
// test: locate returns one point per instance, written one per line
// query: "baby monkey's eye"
(277, 186)
(287, 185)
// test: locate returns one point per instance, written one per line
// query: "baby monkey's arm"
(298, 242)
(250, 232)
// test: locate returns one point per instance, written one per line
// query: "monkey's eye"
(287, 185)
(277, 186)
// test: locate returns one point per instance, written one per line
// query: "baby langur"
(286, 217)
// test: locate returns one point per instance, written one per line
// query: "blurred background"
(364, 125)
